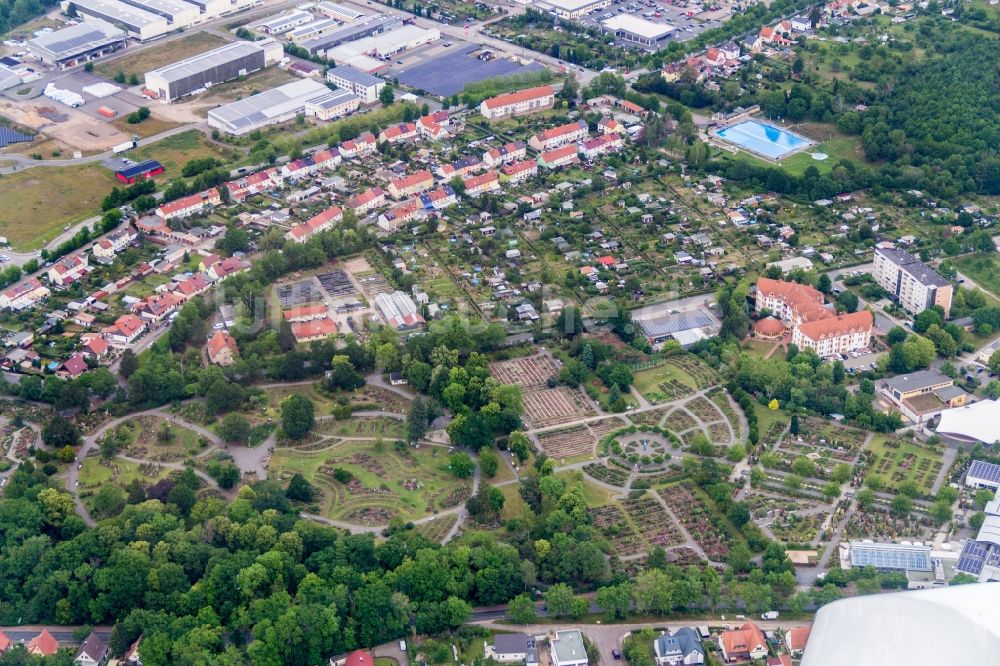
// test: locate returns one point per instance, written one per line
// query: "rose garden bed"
(700, 521)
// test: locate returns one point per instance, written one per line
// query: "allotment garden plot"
(635, 526)
(677, 377)
(897, 460)
(704, 525)
(367, 483)
(788, 519)
(528, 372)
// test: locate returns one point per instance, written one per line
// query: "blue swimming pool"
(763, 139)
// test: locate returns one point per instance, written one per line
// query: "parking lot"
(688, 21)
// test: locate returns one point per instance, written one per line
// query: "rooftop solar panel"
(985, 471)
(973, 557)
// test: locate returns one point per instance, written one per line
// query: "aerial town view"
(506, 332)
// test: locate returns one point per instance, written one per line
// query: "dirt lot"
(70, 127)
(141, 61)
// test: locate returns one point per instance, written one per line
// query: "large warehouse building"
(362, 84)
(282, 23)
(638, 30)
(179, 14)
(572, 9)
(373, 26)
(212, 68)
(386, 44)
(138, 23)
(305, 97)
(78, 43)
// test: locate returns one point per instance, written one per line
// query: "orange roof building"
(835, 335)
(305, 312)
(222, 349)
(360, 658)
(316, 329)
(796, 639)
(769, 328)
(43, 644)
(743, 644)
(518, 103)
(791, 302)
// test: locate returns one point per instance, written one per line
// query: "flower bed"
(679, 421)
(653, 522)
(611, 475)
(700, 520)
(617, 529)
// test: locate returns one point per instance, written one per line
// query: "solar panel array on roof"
(449, 74)
(75, 39)
(675, 323)
(9, 136)
(891, 556)
(139, 169)
(973, 557)
(984, 471)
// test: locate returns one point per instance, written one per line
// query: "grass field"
(268, 78)
(148, 127)
(898, 460)
(513, 504)
(837, 149)
(140, 62)
(410, 485)
(175, 151)
(648, 382)
(592, 493)
(95, 474)
(38, 203)
(984, 269)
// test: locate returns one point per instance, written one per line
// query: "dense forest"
(15, 12)
(941, 118)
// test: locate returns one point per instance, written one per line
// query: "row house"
(439, 198)
(461, 168)
(518, 103)
(68, 270)
(483, 183)
(327, 159)
(126, 330)
(23, 295)
(158, 230)
(363, 145)
(323, 221)
(366, 201)
(505, 154)
(399, 133)
(300, 168)
(397, 216)
(407, 186)
(518, 172)
(560, 157)
(255, 183)
(190, 205)
(600, 145)
(559, 136)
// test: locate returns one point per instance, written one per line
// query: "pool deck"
(733, 147)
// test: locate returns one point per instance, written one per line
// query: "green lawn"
(96, 474)
(36, 204)
(906, 461)
(175, 151)
(648, 381)
(410, 485)
(593, 494)
(983, 269)
(837, 149)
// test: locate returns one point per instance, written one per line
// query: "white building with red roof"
(837, 334)
(429, 128)
(23, 295)
(559, 136)
(226, 268)
(190, 205)
(398, 310)
(600, 145)
(316, 329)
(439, 198)
(365, 144)
(610, 126)
(305, 313)
(399, 133)
(505, 154)
(744, 644)
(126, 330)
(72, 367)
(68, 270)
(322, 221)
(518, 103)
(255, 183)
